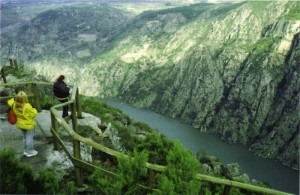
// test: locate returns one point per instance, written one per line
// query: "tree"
(181, 170)
(130, 173)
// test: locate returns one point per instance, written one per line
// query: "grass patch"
(294, 11)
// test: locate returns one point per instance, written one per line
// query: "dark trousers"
(65, 108)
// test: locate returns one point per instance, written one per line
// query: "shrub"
(47, 182)
(15, 177)
(130, 173)
(18, 178)
(98, 108)
(127, 139)
(181, 170)
(86, 131)
(143, 126)
(70, 188)
(157, 146)
(48, 102)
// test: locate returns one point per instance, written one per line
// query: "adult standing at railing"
(25, 114)
(62, 92)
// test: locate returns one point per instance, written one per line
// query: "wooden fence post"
(76, 145)
(151, 178)
(13, 62)
(227, 190)
(54, 126)
(36, 97)
(78, 107)
(3, 75)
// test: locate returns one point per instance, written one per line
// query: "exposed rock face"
(242, 84)
(232, 70)
(280, 130)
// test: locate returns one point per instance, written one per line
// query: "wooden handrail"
(26, 83)
(2, 74)
(13, 65)
(57, 120)
(9, 97)
(34, 91)
(154, 167)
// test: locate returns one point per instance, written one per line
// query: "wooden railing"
(80, 164)
(57, 121)
(5, 70)
(31, 90)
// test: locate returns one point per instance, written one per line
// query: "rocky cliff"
(235, 74)
(228, 69)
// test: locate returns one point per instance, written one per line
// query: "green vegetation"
(48, 102)
(137, 28)
(192, 11)
(102, 110)
(156, 144)
(15, 176)
(153, 143)
(224, 9)
(137, 136)
(150, 146)
(47, 182)
(263, 47)
(69, 30)
(120, 121)
(188, 12)
(17, 72)
(257, 6)
(294, 11)
(138, 8)
(18, 178)
(133, 178)
(8, 16)
(180, 175)
(181, 165)
(86, 131)
(130, 172)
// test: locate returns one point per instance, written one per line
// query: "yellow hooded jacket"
(25, 119)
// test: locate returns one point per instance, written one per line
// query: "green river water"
(279, 176)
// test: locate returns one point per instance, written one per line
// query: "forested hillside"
(64, 36)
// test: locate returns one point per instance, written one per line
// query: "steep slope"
(280, 130)
(64, 36)
(230, 70)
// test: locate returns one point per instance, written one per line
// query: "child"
(25, 114)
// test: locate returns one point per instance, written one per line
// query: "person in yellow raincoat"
(25, 114)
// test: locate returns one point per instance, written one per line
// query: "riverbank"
(279, 176)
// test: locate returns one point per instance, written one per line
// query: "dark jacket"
(61, 90)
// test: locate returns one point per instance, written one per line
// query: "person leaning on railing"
(25, 114)
(62, 92)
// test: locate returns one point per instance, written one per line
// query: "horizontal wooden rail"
(9, 97)
(4, 71)
(26, 83)
(161, 168)
(85, 165)
(240, 185)
(57, 119)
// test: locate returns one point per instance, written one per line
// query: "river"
(279, 176)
